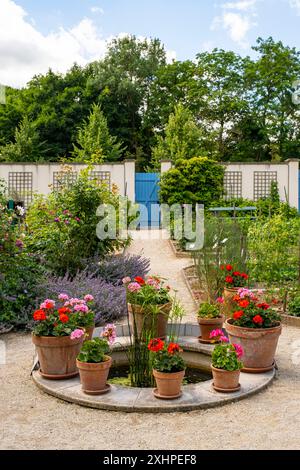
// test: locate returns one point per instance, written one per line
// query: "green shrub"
(197, 180)
(294, 307)
(62, 225)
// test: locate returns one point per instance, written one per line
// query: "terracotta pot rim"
(243, 328)
(233, 289)
(225, 371)
(157, 305)
(211, 320)
(158, 374)
(106, 361)
(56, 339)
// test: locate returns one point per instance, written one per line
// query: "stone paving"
(166, 264)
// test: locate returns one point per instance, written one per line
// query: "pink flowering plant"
(149, 291)
(65, 317)
(226, 356)
(96, 350)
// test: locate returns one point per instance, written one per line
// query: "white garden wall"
(253, 180)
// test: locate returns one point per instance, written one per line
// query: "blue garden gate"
(146, 194)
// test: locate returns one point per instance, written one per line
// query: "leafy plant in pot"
(226, 364)
(53, 336)
(168, 368)
(209, 319)
(149, 305)
(256, 327)
(233, 281)
(94, 363)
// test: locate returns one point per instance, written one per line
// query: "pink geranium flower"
(81, 308)
(126, 280)
(134, 287)
(239, 350)
(63, 297)
(88, 298)
(77, 334)
(110, 333)
(220, 300)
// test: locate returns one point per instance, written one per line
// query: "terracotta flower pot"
(207, 325)
(259, 345)
(226, 381)
(89, 331)
(93, 377)
(144, 319)
(168, 384)
(229, 306)
(57, 356)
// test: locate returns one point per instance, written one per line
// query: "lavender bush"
(114, 268)
(110, 299)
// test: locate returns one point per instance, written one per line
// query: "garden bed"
(178, 251)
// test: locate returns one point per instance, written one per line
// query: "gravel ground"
(30, 419)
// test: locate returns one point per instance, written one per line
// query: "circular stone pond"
(198, 393)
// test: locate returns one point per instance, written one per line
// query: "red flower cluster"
(156, 345)
(253, 313)
(238, 315)
(140, 281)
(174, 348)
(39, 315)
(234, 278)
(258, 320)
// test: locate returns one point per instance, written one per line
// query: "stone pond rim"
(125, 399)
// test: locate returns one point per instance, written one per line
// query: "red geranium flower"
(244, 303)
(258, 320)
(64, 310)
(229, 280)
(264, 306)
(64, 318)
(39, 315)
(140, 280)
(174, 348)
(156, 345)
(222, 267)
(236, 273)
(229, 267)
(244, 276)
(49, 305)
(238, 315)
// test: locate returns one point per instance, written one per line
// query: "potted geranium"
(226, 365)
(209, 319)
(168, 368)
(149, 306)
(256, 327)
(57, 340)
(94, 363)
(233, 281)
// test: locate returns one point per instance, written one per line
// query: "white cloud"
(237, 20)
(97, 10)
(296, 5)
(24, 51)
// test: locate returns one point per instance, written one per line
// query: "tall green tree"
(183, 138)
(27, 146)
(94, 142)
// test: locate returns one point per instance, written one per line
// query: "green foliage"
(94, 142)
(224, 357)
(167, 361)
(294, 307)
(183, 138)
(26, 147)
(274, 250)
(94, 351)
(62, 225)
(208, 310)
(197, 180)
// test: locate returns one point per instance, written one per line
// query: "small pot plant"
(226, 365)
(209, 319)
(149, 305)
(168, 368)
(257, 327)
(233, 281)
(94, 363)
(52, 336)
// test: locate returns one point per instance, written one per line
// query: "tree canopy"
(222, 105)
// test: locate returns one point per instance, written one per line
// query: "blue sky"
(66, 30)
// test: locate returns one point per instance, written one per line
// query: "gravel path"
(30, 419)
